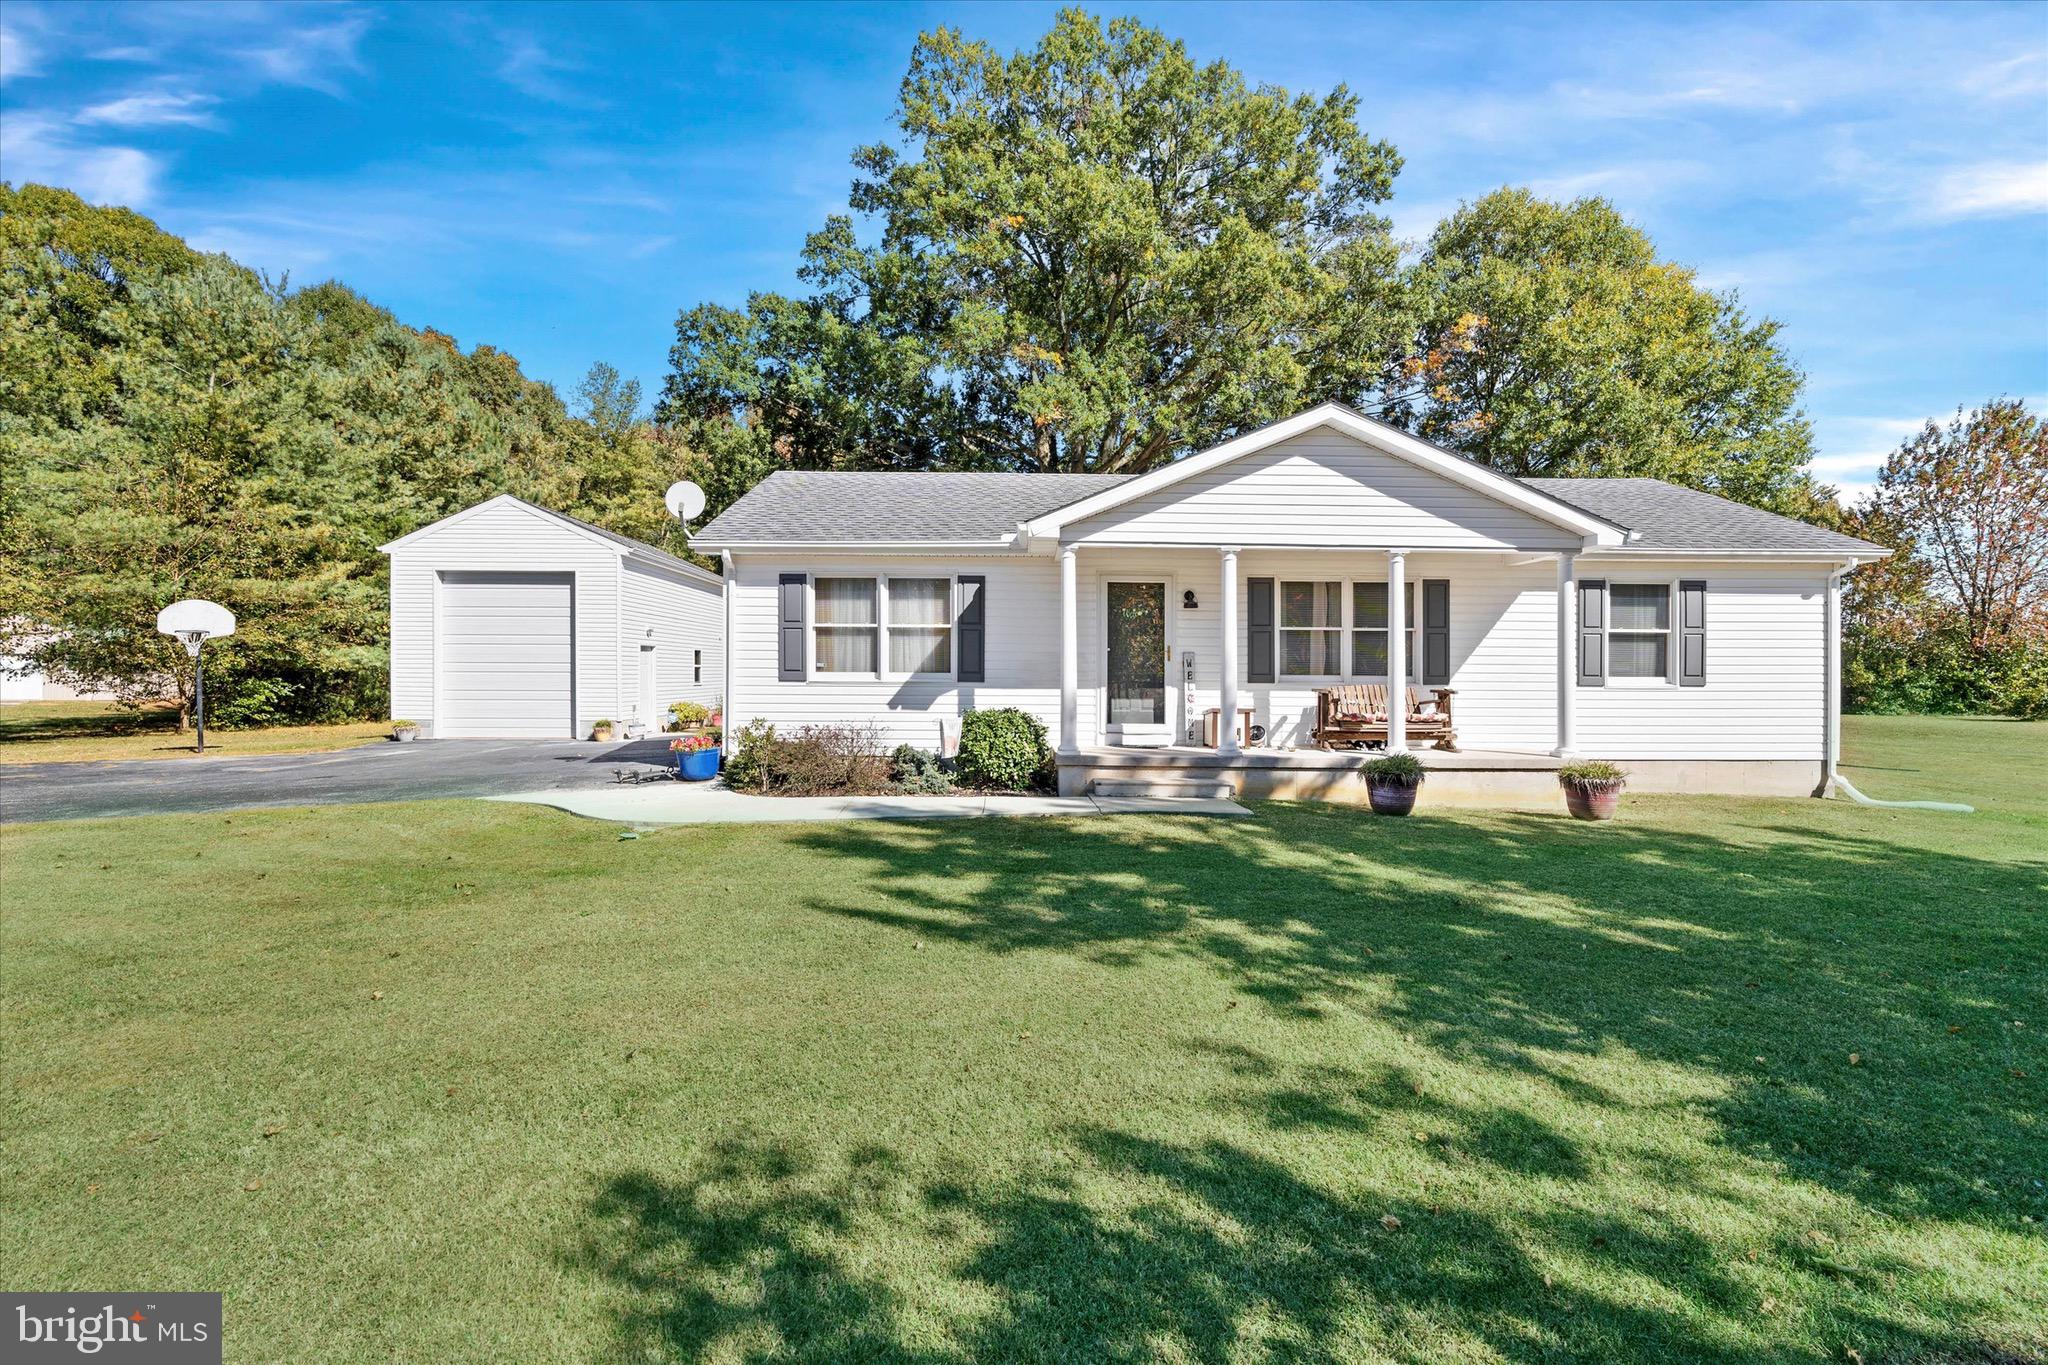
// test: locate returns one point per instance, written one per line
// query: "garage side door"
(507, 655)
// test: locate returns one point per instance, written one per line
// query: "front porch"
(1498, 779)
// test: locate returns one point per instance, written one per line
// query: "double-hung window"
(1639, 632)
(848, 626)
(1369, 629)
(883, 627)
(1312, 630)
(920, 625)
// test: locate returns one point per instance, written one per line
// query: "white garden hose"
(1860, 799)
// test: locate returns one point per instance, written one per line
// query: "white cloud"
(1990, 189)
(41, 149)
(534, 69)
(2021, 77)
(314, 57)
(17, 56)
(153, 109)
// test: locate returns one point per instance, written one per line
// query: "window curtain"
(1311, 629)
(1639, 607)
(845, 625)
(919, 614)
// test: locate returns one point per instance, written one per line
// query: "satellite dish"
(685, 500)
(193, 620)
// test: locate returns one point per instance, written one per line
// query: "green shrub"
(1590, 773)
(919, 771)
(1004, 751)
(747, 769)
(250, 702)
(688, 715)
(1396, 770)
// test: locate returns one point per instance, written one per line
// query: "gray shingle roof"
(1667, 517)
(851, 507)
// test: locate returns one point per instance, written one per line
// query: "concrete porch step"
(1165, 788)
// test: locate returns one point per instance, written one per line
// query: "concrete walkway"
(703, 803)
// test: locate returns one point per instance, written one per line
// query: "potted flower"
(1591, 790)
(697, 757)
(405, 731)
(1391, 782)
(601, 731)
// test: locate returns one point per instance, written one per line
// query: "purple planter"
(700, 766)
(1391, 798)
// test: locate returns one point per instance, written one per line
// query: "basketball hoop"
(192, 623)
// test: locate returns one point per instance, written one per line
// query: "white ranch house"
(1694, 640)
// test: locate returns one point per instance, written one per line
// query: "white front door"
(650, 715)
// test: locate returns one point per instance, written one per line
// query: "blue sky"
(560, 180)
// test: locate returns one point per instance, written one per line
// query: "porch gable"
(1322, 487)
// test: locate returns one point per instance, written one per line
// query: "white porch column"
(1567, 652)
(1070, 657)
(1226, 726)
(1397, 651)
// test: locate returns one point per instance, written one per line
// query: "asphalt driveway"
(376, 772)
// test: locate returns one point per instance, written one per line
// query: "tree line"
(1091, 255)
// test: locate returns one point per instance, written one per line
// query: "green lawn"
(98, 732)
(1729, 1080)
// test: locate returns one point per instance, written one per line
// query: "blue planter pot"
(701, 766)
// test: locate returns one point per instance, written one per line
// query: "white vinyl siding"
(1763, 697)
(1322, 488)
(687, 618)
(1022, 606)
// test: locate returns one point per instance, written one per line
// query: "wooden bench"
(1354, 716)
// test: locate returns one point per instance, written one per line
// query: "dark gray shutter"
(1692, 634)
(1592, 632)
(970, 627)
(790, 652)
(1436, 632)
(1259, 629)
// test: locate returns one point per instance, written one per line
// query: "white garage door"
(507, 655)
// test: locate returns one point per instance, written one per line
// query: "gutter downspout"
(1832, 745)
(725, 665)
(1831, 740)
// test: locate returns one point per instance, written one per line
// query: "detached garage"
(511, 620)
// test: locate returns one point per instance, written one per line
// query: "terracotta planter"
(1391, 798)
(1592, 800)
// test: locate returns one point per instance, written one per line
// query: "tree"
(173, 425)
(1092, 255)
(1957, 619)
(610, 404)
(1550, 339)
(1971, 502)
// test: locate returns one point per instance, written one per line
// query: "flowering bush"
(692, 744)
